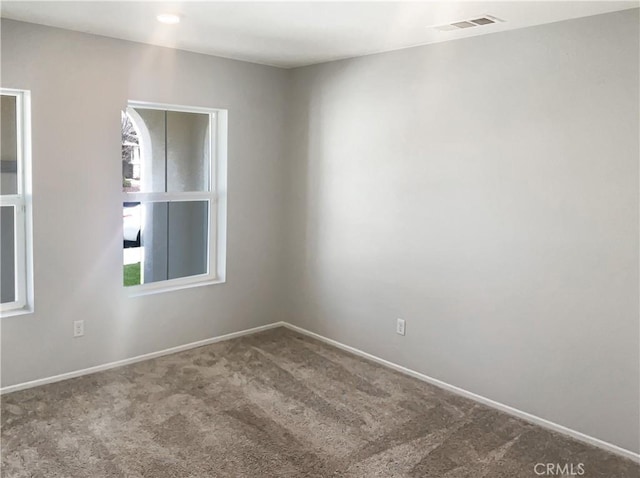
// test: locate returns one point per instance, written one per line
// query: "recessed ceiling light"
(168, 18)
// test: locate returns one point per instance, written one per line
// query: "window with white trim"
(174, 196)
(16, 292)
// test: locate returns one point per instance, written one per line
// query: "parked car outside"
(132, 223)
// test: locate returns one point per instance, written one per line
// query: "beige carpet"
(272, 404)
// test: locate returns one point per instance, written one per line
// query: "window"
(15, 203)
(174, 204)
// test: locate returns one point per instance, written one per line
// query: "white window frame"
(216, 198)
(22, 204)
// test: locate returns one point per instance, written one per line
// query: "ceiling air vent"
(463, 24)
(482, 21)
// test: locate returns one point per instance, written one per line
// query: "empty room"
(320, 239)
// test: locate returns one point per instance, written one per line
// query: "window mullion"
(12, 200)
(169, 197)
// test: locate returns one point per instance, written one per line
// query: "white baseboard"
(438, 383)
(477, 398)
(139, 358)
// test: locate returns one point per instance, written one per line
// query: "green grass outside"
(132, 274)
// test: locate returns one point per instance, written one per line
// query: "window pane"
(143, 150)
(9, 145)
(7, 254)
(155, 242)
(187, 151)
(165, 151)
(133, 253)
(188, 231)
(164, 240)
(130, 155)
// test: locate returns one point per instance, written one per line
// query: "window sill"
(141, 290)
(16, 312)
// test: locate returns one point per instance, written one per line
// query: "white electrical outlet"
(78, 328)
(400, 329)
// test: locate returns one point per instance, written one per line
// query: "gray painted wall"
(79, 85)
(486, 191)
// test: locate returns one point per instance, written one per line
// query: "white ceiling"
(296, 33)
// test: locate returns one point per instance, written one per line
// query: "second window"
(173, 205)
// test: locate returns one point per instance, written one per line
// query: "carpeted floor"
(268, 405)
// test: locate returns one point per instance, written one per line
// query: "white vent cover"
(474, 22)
